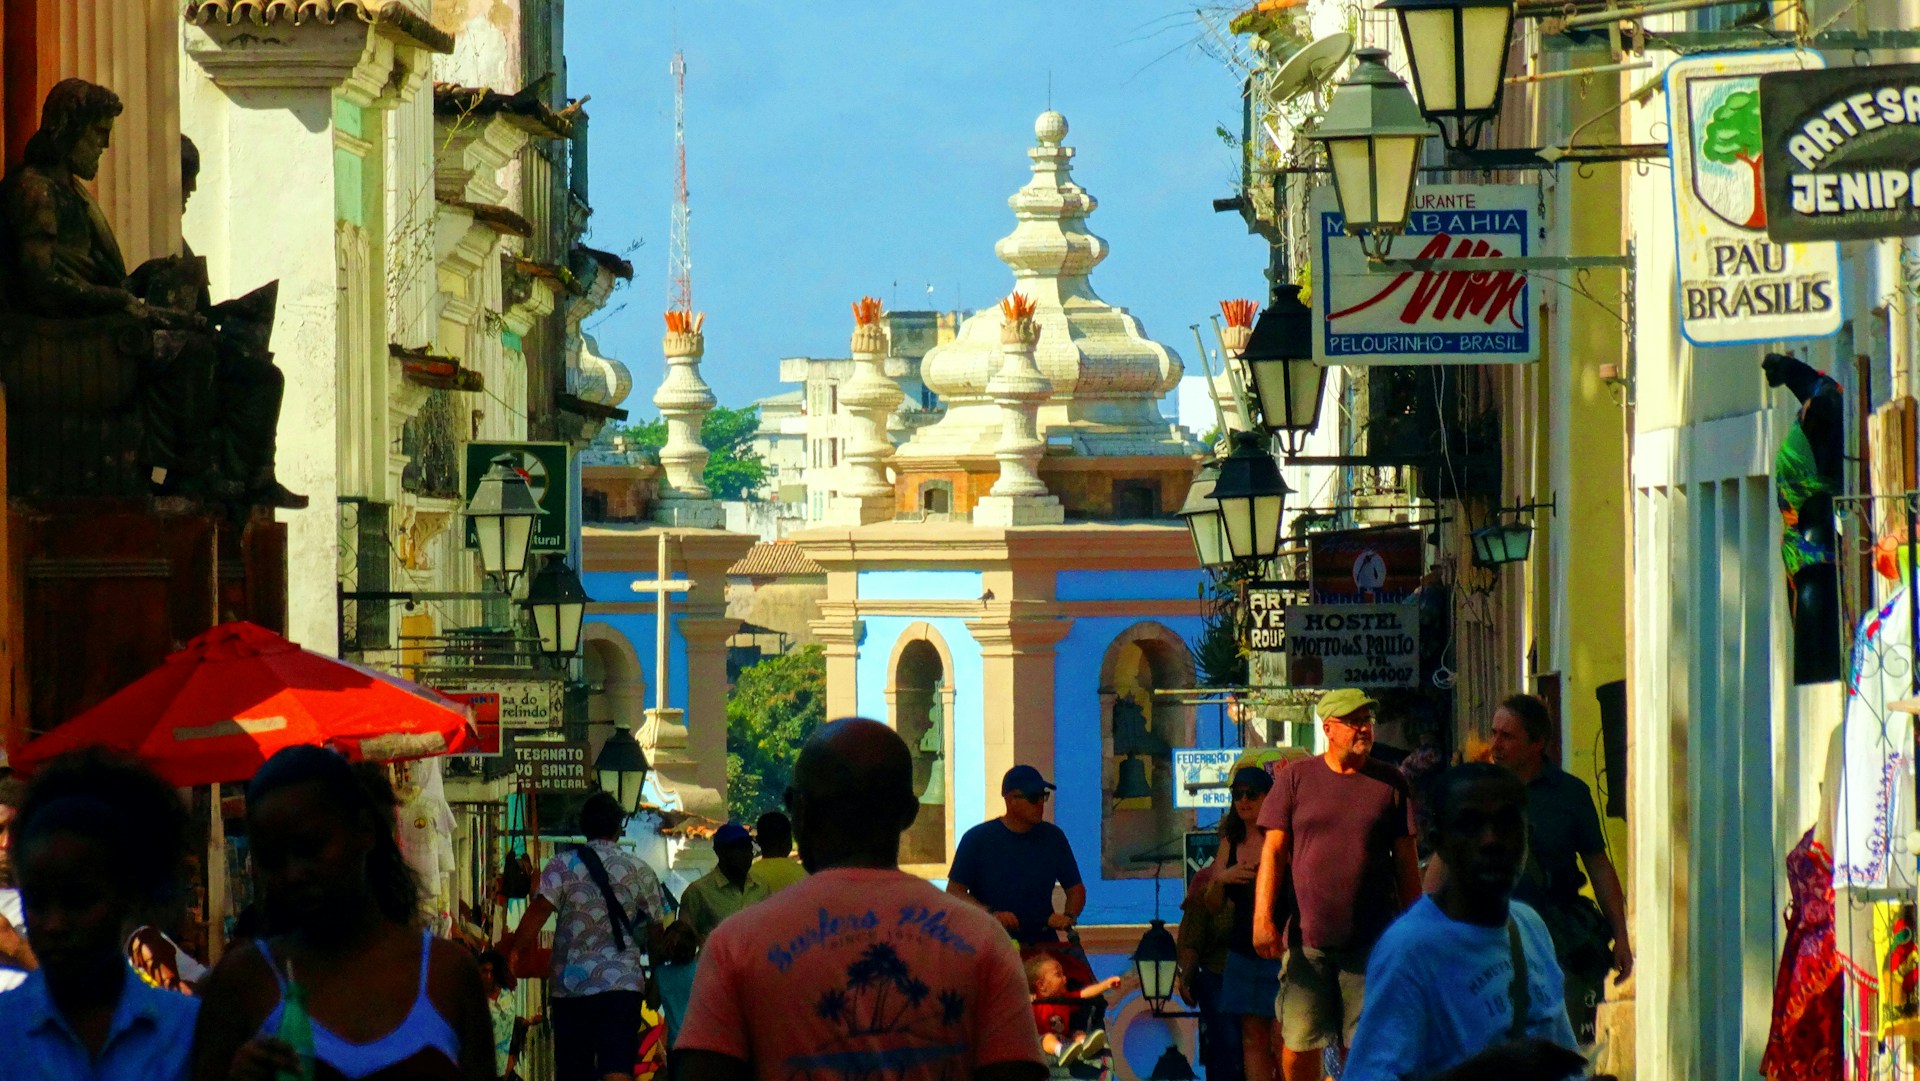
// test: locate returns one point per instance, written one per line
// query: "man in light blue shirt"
(1441, 993)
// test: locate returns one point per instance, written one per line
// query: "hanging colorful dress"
(1804, 1043)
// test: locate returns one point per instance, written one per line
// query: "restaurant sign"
(1363, 566)
(1842, 152)
(1429, 317)
(524, 704)
(1736, 283)
(1353, 645)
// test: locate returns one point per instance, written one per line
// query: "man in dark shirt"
(1340, 828)
(1564, 832)
(1009, 865)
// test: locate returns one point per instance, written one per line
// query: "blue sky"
(835, 149)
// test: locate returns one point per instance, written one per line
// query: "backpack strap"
(1518, 991)
(616, 915)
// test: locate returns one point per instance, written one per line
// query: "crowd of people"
(1316, 941)
(1315, 928)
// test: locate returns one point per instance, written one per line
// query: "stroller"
(1088, 1014)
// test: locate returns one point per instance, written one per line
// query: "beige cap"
(1342, 703)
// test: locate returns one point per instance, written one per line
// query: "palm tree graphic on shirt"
(886, 1027)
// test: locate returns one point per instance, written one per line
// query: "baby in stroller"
(1063, 1034)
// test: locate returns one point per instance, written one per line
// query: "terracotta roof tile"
(389, 15)
(780, 559)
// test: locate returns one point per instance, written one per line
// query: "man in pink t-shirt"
(861, 970)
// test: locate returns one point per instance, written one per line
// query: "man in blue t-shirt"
(1441, 1001)
(1009, 865)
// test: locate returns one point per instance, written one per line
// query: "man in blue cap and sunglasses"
(1009, 865)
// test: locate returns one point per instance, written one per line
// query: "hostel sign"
(1353, 645)
(1842, 152)
(1429, 317)
(1736, 283)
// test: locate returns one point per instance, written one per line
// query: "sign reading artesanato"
(1842, 152)
(1737, 284)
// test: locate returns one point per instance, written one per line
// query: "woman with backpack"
(610, 905)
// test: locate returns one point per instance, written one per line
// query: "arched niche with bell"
(920, 706)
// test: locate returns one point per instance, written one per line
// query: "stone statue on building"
(201, 386)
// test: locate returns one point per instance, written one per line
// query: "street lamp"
(1372, 133)
(622, 768)
(1203, 520)
(1501, 543)
(1279, 356)
(1157, 959)
(1251, 493)
(503, 512)
(558, 604)
(1459, 54)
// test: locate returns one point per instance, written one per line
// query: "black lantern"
(1157, 960)
(622, 768)
(503, 512)
(1501, 543)
(1372, 133)
(1251, 493)
(558, 604)
(1279, 357)
(1459, 54)
(1203, 520)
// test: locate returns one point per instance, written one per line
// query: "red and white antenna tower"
(679, 255)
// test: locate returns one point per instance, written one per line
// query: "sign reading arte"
(1429, 317)
(1267, 604)
(1736, 284)
(1842, 152)
(1353, 645)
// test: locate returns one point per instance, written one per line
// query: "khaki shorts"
(1319, 997)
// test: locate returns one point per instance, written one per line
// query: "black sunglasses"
(1248, 793)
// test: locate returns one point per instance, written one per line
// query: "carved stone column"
(870, 397)
(1019, 497)
(684, 400)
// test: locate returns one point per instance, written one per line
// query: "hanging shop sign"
(524, 704)
(1430, 317)
(1737, 285)
(1201, 777)
(486, 719)
(1201, 847)
(1266, 614)
(1366, 566)
(550, 765)
(545, 467)
(1842, 152)
(1353, 645)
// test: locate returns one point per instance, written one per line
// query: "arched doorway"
(920, 697)
(1139, 730)
(616, 687)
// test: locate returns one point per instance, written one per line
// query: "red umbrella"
(218, 709)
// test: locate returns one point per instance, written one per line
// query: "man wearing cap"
(727, 888)
(1340, 838)
(1009, 865)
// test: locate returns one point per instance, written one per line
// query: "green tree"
(734, 469)
(1733, 134)
(775, 706)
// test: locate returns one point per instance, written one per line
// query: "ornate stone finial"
(869, 398)
(1019, 496)
(1050, 127)
(1239, 329)
(684, 400)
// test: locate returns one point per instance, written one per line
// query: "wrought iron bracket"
(1552, 157)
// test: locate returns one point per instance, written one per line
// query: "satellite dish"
(1313, 64)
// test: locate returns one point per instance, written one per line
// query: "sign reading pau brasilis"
(1737, 284)
(1842, 152)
